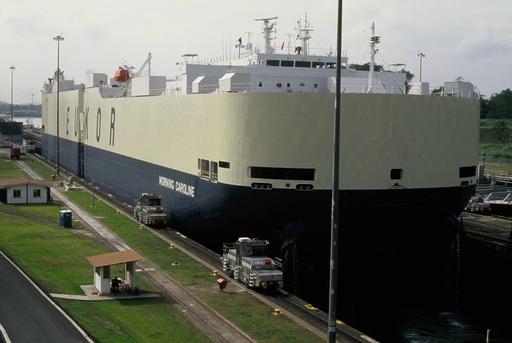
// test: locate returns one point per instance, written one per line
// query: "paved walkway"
(218, 328)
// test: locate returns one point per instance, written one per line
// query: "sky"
(470, 38)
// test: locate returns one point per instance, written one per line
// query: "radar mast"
(304, 33)
(374, 40)
(268, 29)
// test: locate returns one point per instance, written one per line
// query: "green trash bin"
(66, 218)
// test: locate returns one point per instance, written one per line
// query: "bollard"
(222, 283)
(214, 272)
(488, 336)
(171, 246)
(141, 226)
(276, 312)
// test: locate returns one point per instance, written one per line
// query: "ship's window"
(260, 84)
(288, 84)
(273, 63)
(213, 171)
(286, 63)
(282, 173)
(396, 174)
(224, 164)
(318, 64)
(303, 64)
(467, 171)
(205, 169)
(331, 65)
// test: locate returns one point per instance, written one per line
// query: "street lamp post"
(333, 267)
(12, 105)
(58, 39)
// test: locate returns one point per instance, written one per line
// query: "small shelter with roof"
(102, 263)
(25, 191)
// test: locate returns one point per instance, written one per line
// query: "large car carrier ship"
(242, 146)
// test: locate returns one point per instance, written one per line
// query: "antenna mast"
(420, 56)
(268, 29)
(374, 40)
(304, 33)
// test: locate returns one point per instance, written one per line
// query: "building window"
(286, 63)
(260, 84)
(467, 171)
(36, 193)
(303, 64)
(16, 193)
(318, 64)
(302, 84)
(316, 85)
(396, 174)
(288, 84)
(273, 63)
(224, 164)
(331, 65)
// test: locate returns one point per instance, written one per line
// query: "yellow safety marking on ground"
(311, 307)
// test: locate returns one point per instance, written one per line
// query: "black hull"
(227, 209)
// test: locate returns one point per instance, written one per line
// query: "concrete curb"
(4, 334)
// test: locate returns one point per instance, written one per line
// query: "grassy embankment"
(248, 313)
(252, 316)
(55, 259)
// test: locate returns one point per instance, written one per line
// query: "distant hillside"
(23, 110)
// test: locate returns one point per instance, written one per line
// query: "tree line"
(498, 106)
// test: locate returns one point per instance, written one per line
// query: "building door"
(3, 195)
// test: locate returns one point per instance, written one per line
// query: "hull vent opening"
(467, 171)
(301, 174)
(304, 187)
(261, 186)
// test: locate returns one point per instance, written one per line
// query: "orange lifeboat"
(122, 75)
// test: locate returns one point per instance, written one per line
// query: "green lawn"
(256, 319)
(179, 265)
(150, 320)
(9, 169)
(53, 256)
(55, 259)
(40, 168)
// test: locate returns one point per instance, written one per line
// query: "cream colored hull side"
(429, 138)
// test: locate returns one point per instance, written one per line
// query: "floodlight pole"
(58, 39)
(12, 105)
(333, 267)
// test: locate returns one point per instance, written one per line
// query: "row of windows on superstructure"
(300, 64)
(288, 84)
